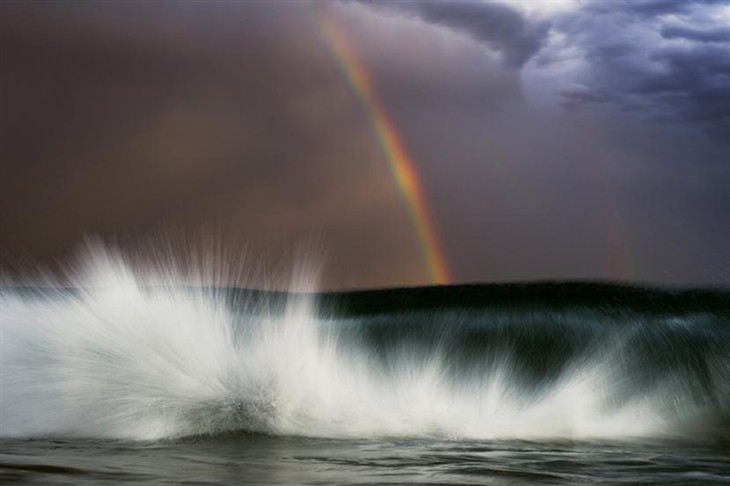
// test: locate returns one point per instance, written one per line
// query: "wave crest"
(123, 360)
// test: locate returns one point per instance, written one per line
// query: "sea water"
(115, 379)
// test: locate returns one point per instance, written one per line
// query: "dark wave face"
(551, 361)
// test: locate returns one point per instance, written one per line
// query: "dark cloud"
(497, 25)
(667, 61)
(116, 117)
(717, 34)
(649, 8)
(509, 185)
(662, 59)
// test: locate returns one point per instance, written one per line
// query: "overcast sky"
(560, 139)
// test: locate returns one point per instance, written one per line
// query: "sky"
(395, 143)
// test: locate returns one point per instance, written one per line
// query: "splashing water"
(116, 358)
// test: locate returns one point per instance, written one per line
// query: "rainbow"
(399, 161)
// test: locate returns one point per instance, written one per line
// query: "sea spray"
(116, 357)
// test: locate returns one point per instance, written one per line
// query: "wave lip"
(121, 360)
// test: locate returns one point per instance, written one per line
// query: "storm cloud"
(559, 143)
(495, 24)
(668, 61)
(116, 117)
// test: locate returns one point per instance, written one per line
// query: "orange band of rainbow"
(395, 152)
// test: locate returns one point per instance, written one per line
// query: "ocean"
(118, 381)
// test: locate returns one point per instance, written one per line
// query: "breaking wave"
(117, 358)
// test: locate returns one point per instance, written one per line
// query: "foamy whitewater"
(118, 358)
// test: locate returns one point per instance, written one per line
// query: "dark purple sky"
(554, 140)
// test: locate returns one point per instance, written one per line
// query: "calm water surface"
(250, 459)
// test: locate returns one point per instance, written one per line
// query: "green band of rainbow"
(395, 152)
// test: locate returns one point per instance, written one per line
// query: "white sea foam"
(121, 360)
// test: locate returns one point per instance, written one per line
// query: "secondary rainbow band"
(395, 152)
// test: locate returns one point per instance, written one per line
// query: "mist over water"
(117, 358)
